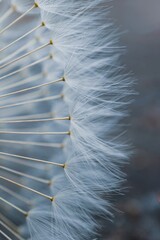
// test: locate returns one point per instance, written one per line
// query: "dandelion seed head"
(62, 96)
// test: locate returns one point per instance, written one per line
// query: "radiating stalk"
(11, 231)
(27, 188)
(25, 55)
(25, 175)
(38, 144)
(15, 195)
(27, 66)
(31, 88)
(34, 133)
(7, 14)
(32, 101)
(13, 205)
(5, 235)
(17, 19)
(32, 159)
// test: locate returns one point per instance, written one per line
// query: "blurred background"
(137, 215)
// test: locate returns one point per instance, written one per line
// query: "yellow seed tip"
(50, 56)
(43, 24)
(51, 42)
(14, 8)
(50, 182)
(65, 165)
(52, 199)
(26, 214)
(36, 5)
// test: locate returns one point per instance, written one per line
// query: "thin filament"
(17, 19)
(26, 67)
(19, 161)
(12, 205)
(27, 188)
(38, 144)
(32, 116)
(12, 193)
(31, 88)
(9, 223)
(21, 37)
(20, 82)
(32, 159)
(19, 50)
(35, 133)
(25, 175)
(32, 101)
(7, 14)
(11, 231)
(5, 235)
(25, 55)
(36, 120)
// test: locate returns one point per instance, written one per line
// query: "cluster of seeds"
(62, 96)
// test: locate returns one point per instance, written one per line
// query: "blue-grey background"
(138, 210)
